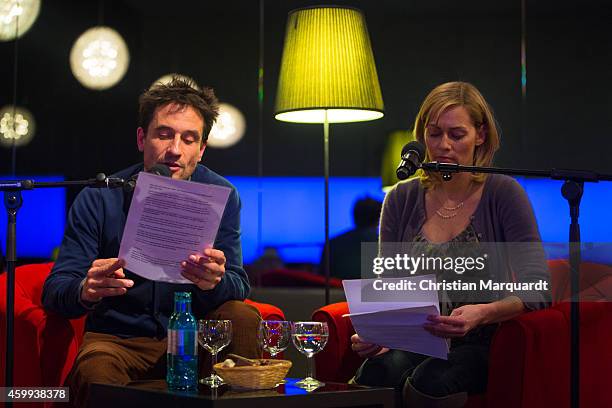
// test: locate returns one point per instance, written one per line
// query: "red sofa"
(529, 360)
(46, 344)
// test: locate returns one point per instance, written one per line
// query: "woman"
(456, 125)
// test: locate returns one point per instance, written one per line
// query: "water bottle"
(182, 355)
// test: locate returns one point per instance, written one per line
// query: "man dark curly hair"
(181, 92)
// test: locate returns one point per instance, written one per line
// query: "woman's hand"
(366, 350)
(460, 322)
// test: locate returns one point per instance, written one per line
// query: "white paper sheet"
(396, 325)
(168, 221)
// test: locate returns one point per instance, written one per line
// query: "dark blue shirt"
(94, 230)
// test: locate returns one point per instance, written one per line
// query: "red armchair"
(529, 360)
(46, 344)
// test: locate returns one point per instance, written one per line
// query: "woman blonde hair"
(450, 95)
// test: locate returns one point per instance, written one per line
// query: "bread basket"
(258, 377)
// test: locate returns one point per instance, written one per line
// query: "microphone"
(130, 184)
(101, 181)
(158, 169)
(412, 157)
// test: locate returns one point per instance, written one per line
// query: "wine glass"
(214, 335)
(274, 336)
(309, 338)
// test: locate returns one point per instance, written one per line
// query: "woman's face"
(453, 137)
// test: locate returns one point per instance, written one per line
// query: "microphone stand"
(572, 190)
(13, 201)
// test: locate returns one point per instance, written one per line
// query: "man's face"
(173, 138)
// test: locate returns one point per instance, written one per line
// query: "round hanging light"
(99, 58)
(16, 17)
(168, 77)
(229, 127)
(16, 126)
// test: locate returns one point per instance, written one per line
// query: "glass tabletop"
(155, 393)
(226, 391)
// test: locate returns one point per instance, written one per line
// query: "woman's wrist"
(502, 310)
(489, 312)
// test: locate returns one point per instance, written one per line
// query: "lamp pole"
(326, 174)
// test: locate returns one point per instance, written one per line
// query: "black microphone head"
(403, 173)
(160, 170)
(412, 157)
(130, 184)
(416, 147)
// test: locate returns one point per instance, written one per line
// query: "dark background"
(565, 122)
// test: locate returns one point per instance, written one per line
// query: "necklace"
(455, 208)
(452, 211)
(446, 216)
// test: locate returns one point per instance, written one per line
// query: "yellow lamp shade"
(327, 68)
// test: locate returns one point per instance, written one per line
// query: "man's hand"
(460, 322)
(205, 270)
(105, 278)
(366, 350)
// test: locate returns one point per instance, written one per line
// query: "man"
(128, 315)
(345, 261)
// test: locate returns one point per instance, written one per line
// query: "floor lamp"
(327, 75)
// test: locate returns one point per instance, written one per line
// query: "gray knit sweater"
(504, 214)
